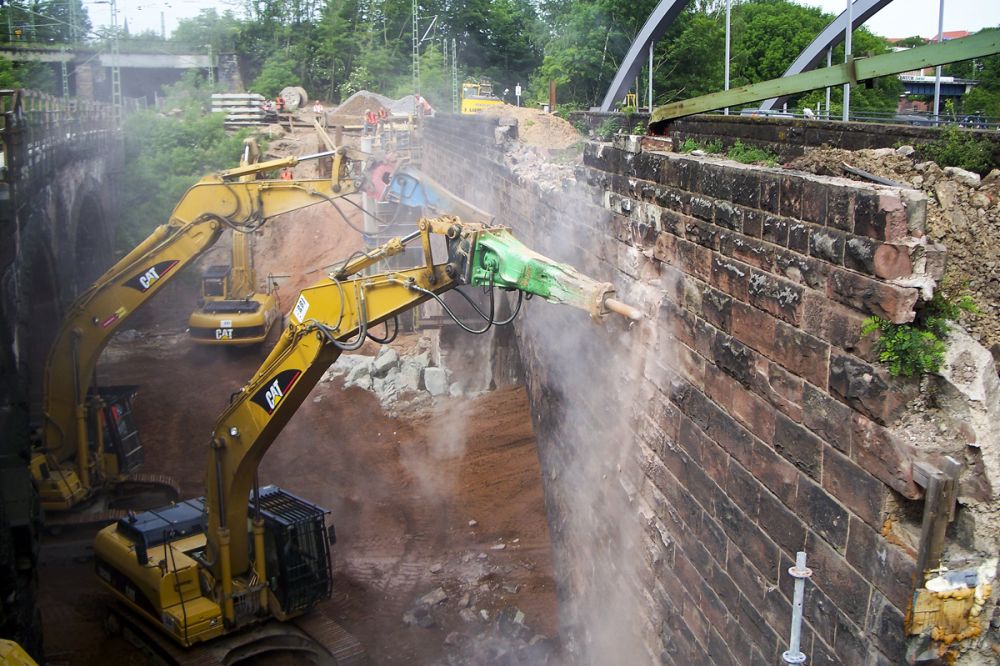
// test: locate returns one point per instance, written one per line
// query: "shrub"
(608, 128)
(689, 145)
(918, 347)
(741, 152)
(961, 149)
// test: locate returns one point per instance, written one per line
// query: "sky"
(902, 18)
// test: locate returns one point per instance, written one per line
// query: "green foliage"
(741, 152)
(277, 73)
(689, 145)
(359, 79)
(917, 348)
(165, 155)
(960, 148)
(608, 128)
(33, 75)
(715, 147)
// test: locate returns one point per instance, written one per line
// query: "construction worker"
(286, 174)
(280, 103)
(371, 121)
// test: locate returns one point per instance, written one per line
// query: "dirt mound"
(538, 128)
(963, 214)
(356, 104)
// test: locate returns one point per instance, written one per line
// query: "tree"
(277, 73)
(209, 28)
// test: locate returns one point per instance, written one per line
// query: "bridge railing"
(39, 131)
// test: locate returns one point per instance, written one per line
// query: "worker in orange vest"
(286, 174)
(280, 103)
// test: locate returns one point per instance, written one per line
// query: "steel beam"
(831, 36)
(862, 69)
(657, 23)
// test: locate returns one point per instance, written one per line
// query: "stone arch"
(92, 246)
(41, 313)
(656, 25)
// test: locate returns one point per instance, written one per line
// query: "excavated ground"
(449, 497)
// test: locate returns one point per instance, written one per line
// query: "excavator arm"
(228, 199)
(337, 315)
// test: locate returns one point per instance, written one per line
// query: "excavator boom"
(210, 206)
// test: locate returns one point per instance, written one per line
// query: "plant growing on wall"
(918, 347)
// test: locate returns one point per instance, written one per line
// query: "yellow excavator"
(200, 571)
(88, 441)
(231, 310)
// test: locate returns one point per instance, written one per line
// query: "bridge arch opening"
(92, 249)
(44, 313)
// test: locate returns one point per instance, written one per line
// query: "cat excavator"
(232, 311)
(88, 442)
(233, 575)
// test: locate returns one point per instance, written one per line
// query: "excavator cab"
(118, 439)
(297, 550)
(215, 282)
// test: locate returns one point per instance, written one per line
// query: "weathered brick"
(834, 323)
(886, 625)
(827, 244)
(850, 643)
(748, 537)
(743, 489)
(714, 538)
(716, 308)
(690, 365)
(827, 417)
(891, 570)
(780, 297)
(814, 195)
(694, 259)
(718, 651)
(798, 237)
(822, 513)
(746, 576)
(838, 208)
(734, 358)
(701, 208)
(753, 220)
(869, 390)
(885, 300)
(801, 353)
(837, 579)
(729, 216)
(791, 196)
(753, 327)
(774, 229)
(857, 489)
(801, 269)
(781, 524)
(799, 446)
(821, 614)
(776, 473)
(751, 411)
(770, 192)
(748, 250)
(892, 261)
(753, 624)
(779, 387)
(665, 249)
(730, 276)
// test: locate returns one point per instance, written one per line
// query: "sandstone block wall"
(687, 459)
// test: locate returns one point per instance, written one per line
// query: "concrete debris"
(473, 523)
(436, 381)
(318, 398)
(436, 568)
(905, 151)
(434, 597)
(962, 176)
(385, 361)
(511, 588)
(454, 638)
(420, 616)
(498, 546)
(467, 615)
(465, 600)
(485, 614)
(455, 390)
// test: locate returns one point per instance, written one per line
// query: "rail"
(38, 131)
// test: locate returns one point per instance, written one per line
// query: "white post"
(649, 98)
(847, 58)
(937, 71)
(726, 83)
(829, 63)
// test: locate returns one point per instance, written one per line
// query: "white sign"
(517, 90)
(226, 323)
(301, 308)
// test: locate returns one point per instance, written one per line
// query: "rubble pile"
(491, 629)
(400, 382)
(963, 214)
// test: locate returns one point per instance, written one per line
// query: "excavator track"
(137, 493)
(313, 639)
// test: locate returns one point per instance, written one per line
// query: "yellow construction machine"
(478, 95)
(88, 440)
(231, 310)
(200, 571)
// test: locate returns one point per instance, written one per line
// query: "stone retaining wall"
(688, 458)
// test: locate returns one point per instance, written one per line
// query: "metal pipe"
(800, 572)
(625, 310)
(316, 156)
(937, 71)
(849, 30)
(726, 82)
(829, 63)
(649, 97)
